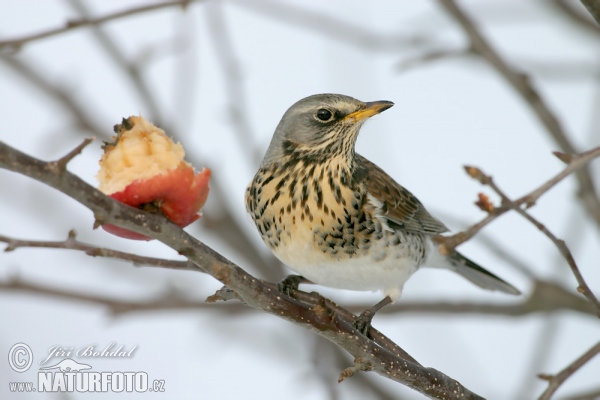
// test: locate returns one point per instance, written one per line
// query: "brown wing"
(402, 210)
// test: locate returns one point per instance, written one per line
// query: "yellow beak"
(371, 108)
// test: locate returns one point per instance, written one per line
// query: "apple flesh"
(144, 168)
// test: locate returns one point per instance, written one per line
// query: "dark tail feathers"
(478, 275)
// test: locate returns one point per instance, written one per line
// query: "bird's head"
(322, 126)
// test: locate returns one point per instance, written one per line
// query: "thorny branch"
(386, 359)
(523, 85)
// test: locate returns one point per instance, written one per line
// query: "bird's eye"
(324, 115)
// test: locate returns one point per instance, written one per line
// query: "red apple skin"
(178, 193)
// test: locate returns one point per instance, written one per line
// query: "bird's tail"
(478, 275)
(468, 269)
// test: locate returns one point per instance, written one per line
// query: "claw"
(363, 322)
(290, 284)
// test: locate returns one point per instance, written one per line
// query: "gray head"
(325, 123)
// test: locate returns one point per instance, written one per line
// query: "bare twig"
(570, 10)
(359, 365)
(431, 56)
(449, 243)
(73, 244)
(560, 244)
(61, 164)
(557, 380)
(167, 301)
(78, 23)
(593, 6)
(528, 92)
(251, 291)
(546, 297)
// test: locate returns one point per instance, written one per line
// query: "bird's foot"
(291, 283)
(363, 322)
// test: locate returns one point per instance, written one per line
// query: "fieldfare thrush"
(338, 219)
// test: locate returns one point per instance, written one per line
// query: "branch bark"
(593, 6)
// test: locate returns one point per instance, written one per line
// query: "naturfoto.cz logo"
(69, 375)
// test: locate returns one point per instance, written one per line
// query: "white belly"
(384, 268)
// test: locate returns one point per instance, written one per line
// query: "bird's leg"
(363, 322)
(291, 283)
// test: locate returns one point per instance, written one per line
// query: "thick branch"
(248, 289)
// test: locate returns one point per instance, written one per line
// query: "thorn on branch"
(10, 246)
(545, 377)
(359, 365)
(223, 294)
(566, 158)
(98, 221)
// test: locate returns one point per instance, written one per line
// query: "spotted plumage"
(335, 217)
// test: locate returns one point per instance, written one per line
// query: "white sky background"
(447, 114)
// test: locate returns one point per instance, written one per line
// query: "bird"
(338, 219)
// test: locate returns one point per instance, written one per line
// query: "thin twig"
(449, 243)
(78, 23)
(571, 10)
(431, 56)
(61, 164)
(560, 244)
(73, 244)
(557, 380)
